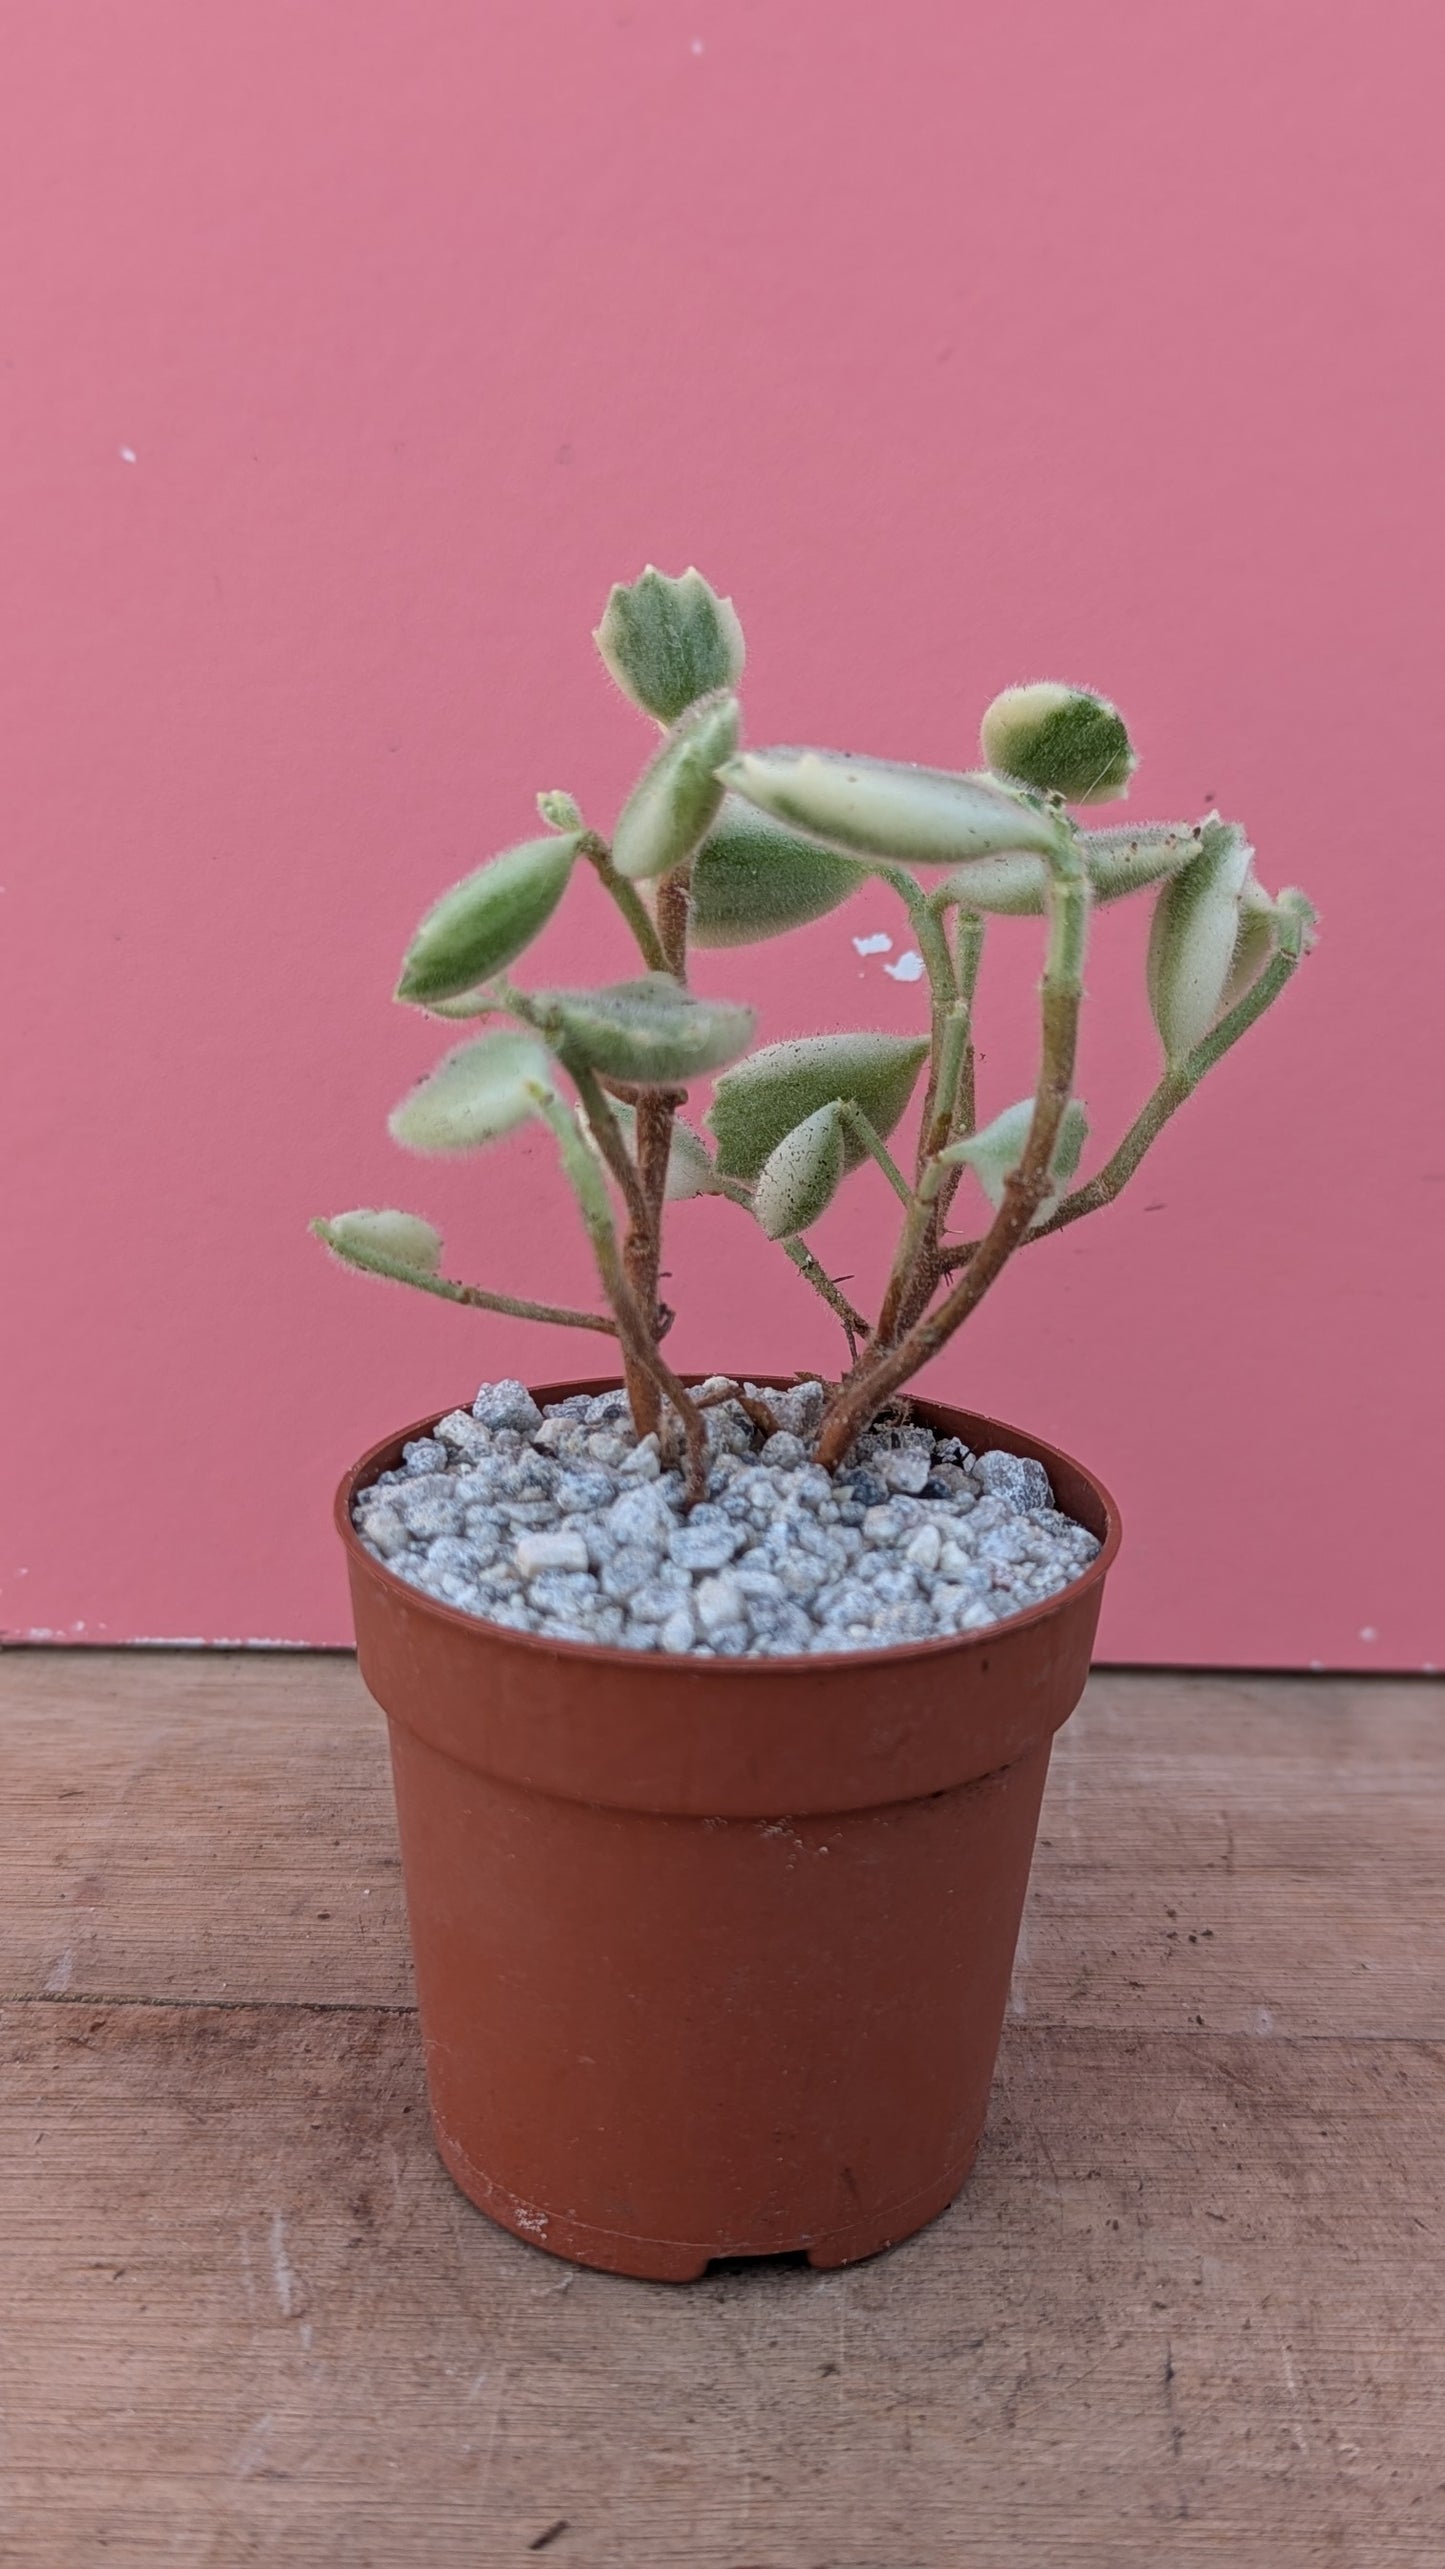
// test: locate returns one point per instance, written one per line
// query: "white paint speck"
(61, 1974)
(253, 2447)
(697, 44)
(1368, 1632)
(873, 945)
(909, 967)
(283, 2273)
(127, 454)
(1316, 1664)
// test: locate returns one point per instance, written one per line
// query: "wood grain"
(1239, 1854)
(1188, 2312)
(1188, 2315)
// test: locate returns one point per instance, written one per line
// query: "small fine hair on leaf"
(719, 845)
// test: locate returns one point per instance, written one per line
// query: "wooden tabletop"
(1189, 2313)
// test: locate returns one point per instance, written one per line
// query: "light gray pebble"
(907, 1470)
(425, 1454)
(582, 1489)
(385, 1531)
(430, 1513)
(922, 1549)
(561, 1551)
(562, 1592)
(642, 1515)
(798, 1411)
(719, 1602)
(1016, 1478)
(882, 1525)
(705, 1541)
(507, 1405)
(568, 1527)
(661, 1596)
(622, 1573)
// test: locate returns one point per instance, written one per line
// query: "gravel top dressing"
(563, 1524)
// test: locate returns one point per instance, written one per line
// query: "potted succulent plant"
(720, 1711)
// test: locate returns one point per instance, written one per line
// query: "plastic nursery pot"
(712, 1955)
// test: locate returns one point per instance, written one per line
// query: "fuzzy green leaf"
(1060, 740)
(689, 1163)
(1006, 887)
(402, 1239)
(560, 811)
(475, 1094)
(650, 1032)
(1254, 943)
(668, 642)
(874, 807)
(676, 800)
(772, 1092)
(1117, 862)
(752, 878)
(483, 924)
(800, 1177)
(995, 1152)
(1193, 938)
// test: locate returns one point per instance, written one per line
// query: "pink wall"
(350, 350)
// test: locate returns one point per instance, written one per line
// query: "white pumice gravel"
(566, 1525)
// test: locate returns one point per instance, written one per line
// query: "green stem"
(913, 1261)
(513, 1306)
(882, 1371)
(607, 1133)
(629, 901)
(1177, 1084)
(1181, 1080)
(854, 1121)
(855, 1327)
(970, 935)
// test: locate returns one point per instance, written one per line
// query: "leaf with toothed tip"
(668, 642)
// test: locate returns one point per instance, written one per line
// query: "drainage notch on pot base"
(712, 1955)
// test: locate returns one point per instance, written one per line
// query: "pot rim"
(609, 1654)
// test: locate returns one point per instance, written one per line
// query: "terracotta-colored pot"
(712, 1955)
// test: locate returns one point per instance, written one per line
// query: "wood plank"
(1239, 1855)
(1189, 2312)
(1250, 1854)
(197, 1824)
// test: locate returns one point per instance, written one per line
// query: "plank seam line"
(395, 2007)
(235, 2006)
